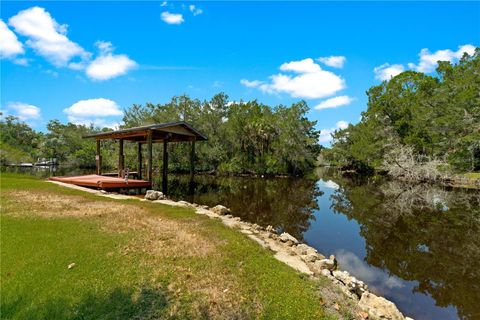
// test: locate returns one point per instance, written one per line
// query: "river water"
(416, 245)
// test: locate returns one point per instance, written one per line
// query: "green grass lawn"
(134, 260)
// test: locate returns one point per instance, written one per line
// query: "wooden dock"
(103, 182)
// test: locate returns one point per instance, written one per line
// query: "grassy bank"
(135, 260)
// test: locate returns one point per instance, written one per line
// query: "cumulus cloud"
(387, 71)
(372, 276)
(172, 18)
(9, 44)
(342, 124)
(107, 65)
(250, 84)
(94, 111)
(334, 102)
(47, 37)
(326, 134)
(25, 111)
(428, 61)
(329, 184)
(96, 122)
(333, 61)
(306, 79)
(100, 107)
(302, 66)
(194, 10)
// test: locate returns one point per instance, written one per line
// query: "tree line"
(417, 126)
(243, 137)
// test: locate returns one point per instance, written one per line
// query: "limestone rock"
(355, 286)
(284, 237)
(311, 257)
(326, 273)
(220, 210)
(301, 249)
(379, 308)
(257, 227)
(289, 243)
(270, 229)
(154, 195)
(324, 264)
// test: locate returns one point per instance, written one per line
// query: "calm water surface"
(417, 245)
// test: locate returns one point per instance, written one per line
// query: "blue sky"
(86, 61)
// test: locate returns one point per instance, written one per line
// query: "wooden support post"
(120, 158)
(192, 161)
(139, 169)
(150, 156)
(165, 167)
(98, 159)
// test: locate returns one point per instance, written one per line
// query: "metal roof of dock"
(172, 131)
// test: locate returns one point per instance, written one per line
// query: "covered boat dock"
(145, 135)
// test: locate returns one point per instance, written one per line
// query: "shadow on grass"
(120, 303)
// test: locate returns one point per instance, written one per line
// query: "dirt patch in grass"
(169, 244)
(160, 235)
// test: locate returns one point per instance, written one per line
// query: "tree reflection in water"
(285, 203)
(421, 233)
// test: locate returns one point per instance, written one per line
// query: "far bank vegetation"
(417, 127)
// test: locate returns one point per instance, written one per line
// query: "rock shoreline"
(299, 256)
(287, 249)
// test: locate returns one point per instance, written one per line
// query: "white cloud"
(163, 4)
(308, 81)
(329, 184)
(108, 65)
(428, 61)
(21, 61)
(46, 36)
(251, 84)
(196, 11)
(172, 18)
(326, 134)
(100, 107)
(49, 40)
(25, 111)
(342, 124)
(333, 61)
(387, 71)
(372, 276)
(9, 44)
(334, 102)
(96, 122)
(96, 111)
(302, 66)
